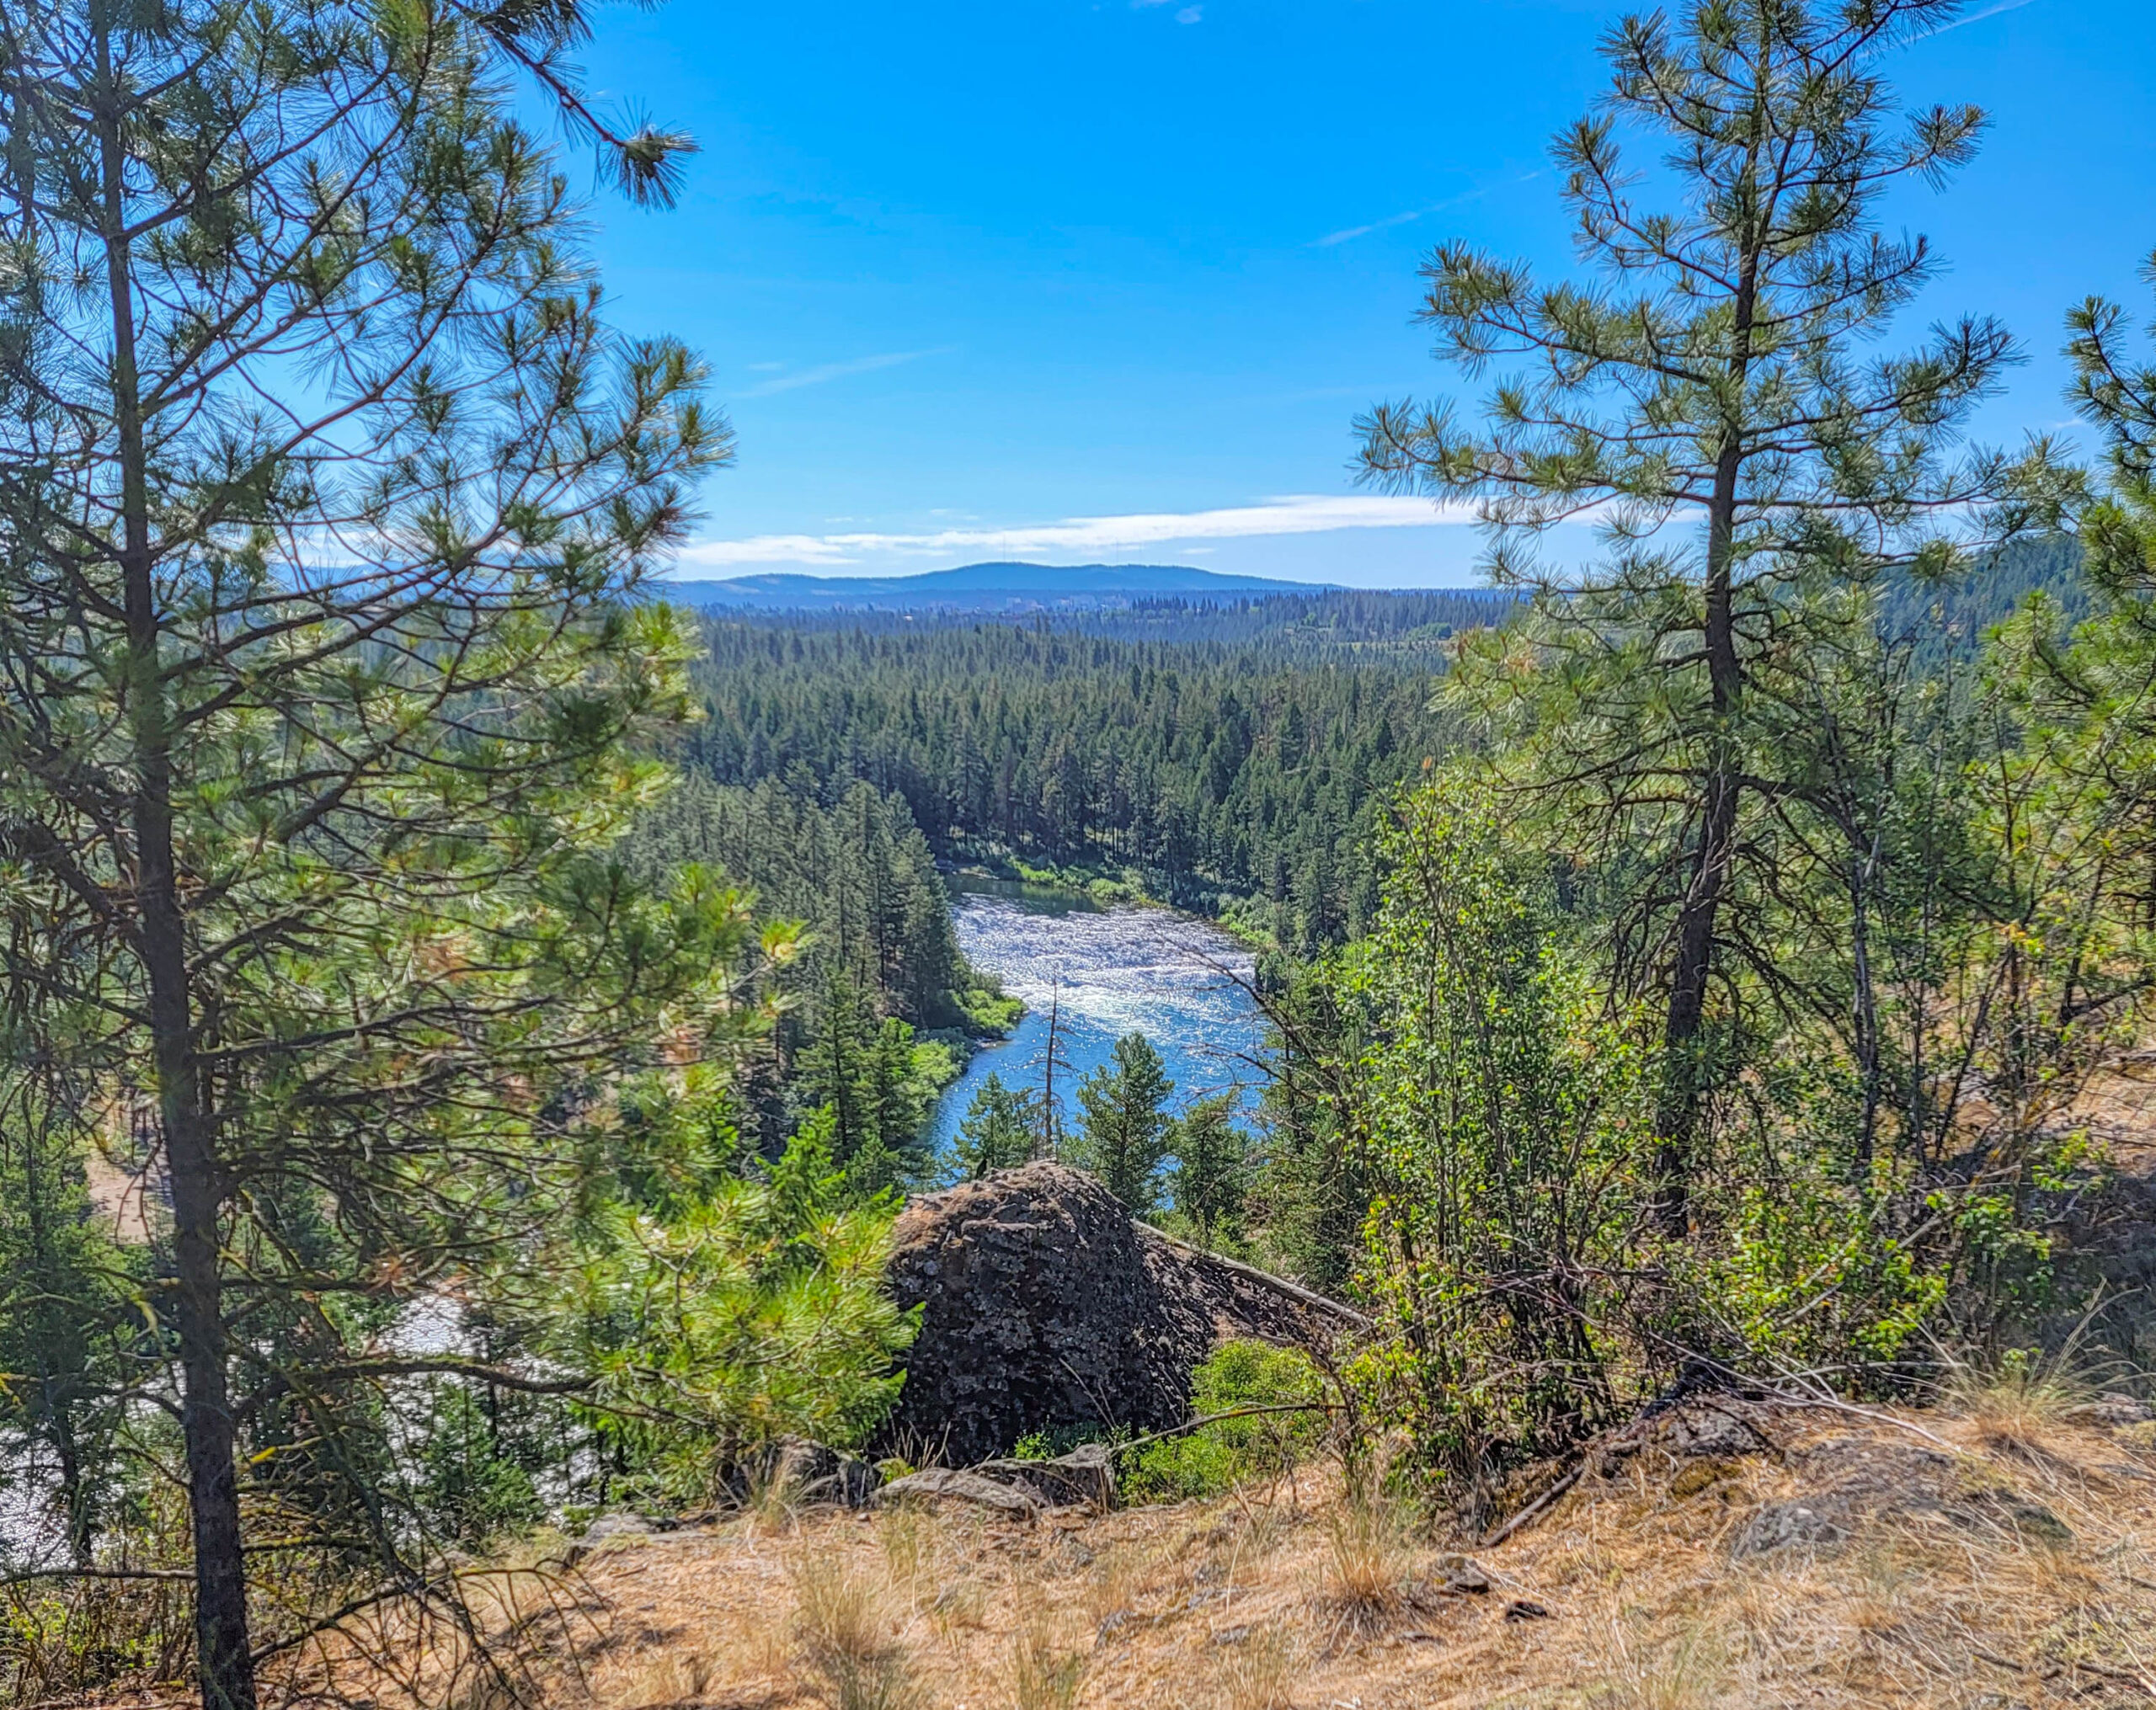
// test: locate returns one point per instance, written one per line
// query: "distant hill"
(985, 587)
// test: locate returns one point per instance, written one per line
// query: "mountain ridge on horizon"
(996, 584)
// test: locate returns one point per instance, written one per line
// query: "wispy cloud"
(835, 371)
(1412, 215)
(1301, 514)
(1333, 237)
(1977, 16)
(1190, 14)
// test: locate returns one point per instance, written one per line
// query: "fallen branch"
(1540, 1504)
(1193, 1424)
(30, 1574)
(1264, 1278)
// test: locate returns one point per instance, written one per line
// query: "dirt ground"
(2004, 1556)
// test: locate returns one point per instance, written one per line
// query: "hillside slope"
(1724, 1554)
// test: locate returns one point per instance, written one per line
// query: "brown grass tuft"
(1258, 1674)
(1370, 1556)
(2017, 1401)
(842, 1622)
(1044, 1675)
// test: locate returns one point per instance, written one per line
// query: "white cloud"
(1333, 237)
(1190, 14)
(836, 370)
(1978, 16)
(1466, 196)
(1295, 514)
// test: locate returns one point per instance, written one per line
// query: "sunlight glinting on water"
(1115, 971)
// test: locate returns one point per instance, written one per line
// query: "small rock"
(1782, 1525)
(1462, 1574)
(943, 1485)
(1083, 1478)
(2112, 1412)
(2002, 1510)
(1525, 1609)
(616, 1523)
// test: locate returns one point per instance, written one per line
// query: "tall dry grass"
(843, 1627)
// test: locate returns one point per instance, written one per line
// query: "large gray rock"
(1046, 1307)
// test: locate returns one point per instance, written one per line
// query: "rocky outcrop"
(1046, 1307)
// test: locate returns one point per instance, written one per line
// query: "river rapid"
(1119, 969)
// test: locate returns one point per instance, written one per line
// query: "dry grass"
(1215, 1606)
(1371, 1556)
(1258, 1674)
(1644, 1669)
(842, 1622)
(2014, 1403)
(1045, 1674)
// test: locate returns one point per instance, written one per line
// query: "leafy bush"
(753, 1308)
(1217, 1457)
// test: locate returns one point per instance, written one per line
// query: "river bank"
(1101, 967)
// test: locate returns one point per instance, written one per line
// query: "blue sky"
(1078, 282)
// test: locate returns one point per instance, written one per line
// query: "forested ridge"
(1211, 769)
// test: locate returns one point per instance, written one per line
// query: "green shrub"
(1217, 1457)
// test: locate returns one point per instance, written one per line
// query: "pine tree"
(327, 494)
(1122, 1136)
(71, 1328)
(1755, 468)
(1212, 1175)
(999, 1130)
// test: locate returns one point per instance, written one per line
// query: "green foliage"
(71, 1308)
(1211, 1181)
(1217, 1457)
(877, 1084)
(1124, 1125)
(1508, 1125)
(754, 1309)
(472, 1488)
(1000, 1130)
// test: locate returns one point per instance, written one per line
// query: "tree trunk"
(224, 1660)
(1685, 1069)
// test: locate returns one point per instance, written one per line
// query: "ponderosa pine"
(1710, 399)
(326, 493)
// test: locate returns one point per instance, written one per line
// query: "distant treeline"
(1363, 619)
(1210, 767)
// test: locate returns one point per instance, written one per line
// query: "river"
(1171, 976)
